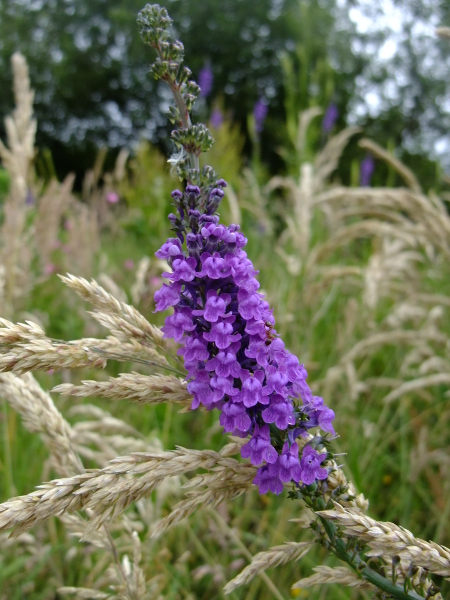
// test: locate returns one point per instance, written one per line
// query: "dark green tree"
(90, 71)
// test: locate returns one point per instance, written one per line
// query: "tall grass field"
(359, 281)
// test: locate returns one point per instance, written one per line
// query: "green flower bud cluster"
(191, 140)
(194, 139)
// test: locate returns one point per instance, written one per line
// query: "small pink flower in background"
(112, 198)
(49, 269)
(50, 371)
(68, 225)
(56, 244)
(129, 264)
(156, 281)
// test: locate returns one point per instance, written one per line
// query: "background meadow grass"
(359, 282)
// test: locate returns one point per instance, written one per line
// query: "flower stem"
(357, 564)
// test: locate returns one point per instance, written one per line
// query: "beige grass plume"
(40, 415)
(106, 492)
(388, 540)
(274, 557)
(17, 158)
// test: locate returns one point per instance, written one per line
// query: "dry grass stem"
(223, 484)
(418, 384)
(393, 338)
(387, 540)
(339, 575)
(122, 319)
(327, 160)
(274, 557)
(406, 174)
(51, 207)
(107, 492)
(15, 254)
(40, 415)
(443, 32)
(86, 593)
(144, 389)
(25, 347)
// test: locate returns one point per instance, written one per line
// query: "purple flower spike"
(310, 465)
(234, 358)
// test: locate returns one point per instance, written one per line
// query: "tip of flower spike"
(221, 183)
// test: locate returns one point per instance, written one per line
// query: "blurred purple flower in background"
(366, 171)
(205, 81)
(29, 201)
(330, 118)
(260, 113)
(216, 118)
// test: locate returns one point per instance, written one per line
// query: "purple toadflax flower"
(330, 117)
(205, 80)
(234, 358)
(366, 171)
(216, 118)
(260, 113)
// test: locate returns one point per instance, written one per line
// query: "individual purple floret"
(288, 466)
(234, 358)
(259, 448)
(267, 481)
(260, 113)
(205, 80)
(310, 465)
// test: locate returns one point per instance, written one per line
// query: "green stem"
(358, 566)
(185, 120)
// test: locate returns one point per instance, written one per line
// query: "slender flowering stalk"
(234, 358)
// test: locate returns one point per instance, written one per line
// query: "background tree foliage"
(89, 69)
